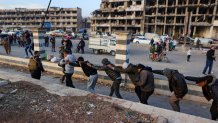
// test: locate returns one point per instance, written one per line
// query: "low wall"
(161, 86)
(161, 115)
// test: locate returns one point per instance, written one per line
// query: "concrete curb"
(161, 86)
(161, 115)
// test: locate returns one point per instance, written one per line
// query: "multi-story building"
(173, 17)
(115, 15)
(60, 18)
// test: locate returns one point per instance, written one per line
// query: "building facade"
(172, 17)
(60, 18)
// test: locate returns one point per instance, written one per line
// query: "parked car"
(57, 33)
(2, 36)
(155, 36)
(164, 37)
(189, 40)
(141, 40)
(204, 42)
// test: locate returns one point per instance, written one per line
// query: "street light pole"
(46, 14)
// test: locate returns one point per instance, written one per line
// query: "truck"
(103, 45)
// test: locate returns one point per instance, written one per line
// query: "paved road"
(139, 54)
(189, 107)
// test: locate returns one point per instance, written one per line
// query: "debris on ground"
(25, 102)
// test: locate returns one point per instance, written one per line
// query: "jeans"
(209, 64)
(53, 47)
(69, 81)
(116, 87)
(92, 82)
(174, 102)
(46, 44)
(143, 95)
(29, 48)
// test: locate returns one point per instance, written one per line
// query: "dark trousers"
(82, 50)
(53, 47)
(29, 48)
(188, 58)
(174, 102)
(116, 88)
(209, 64)
(214, 111)
(69, 81)
(46, 43)
(35, 76)
(143, 95)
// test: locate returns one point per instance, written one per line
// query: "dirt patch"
(25, 102)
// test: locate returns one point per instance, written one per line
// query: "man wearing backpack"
(145, 86)
(52, 40)
(177, 86)
(35, 66)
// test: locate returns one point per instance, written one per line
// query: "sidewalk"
(189, 107)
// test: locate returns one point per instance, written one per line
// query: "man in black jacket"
(145, 85)
(177, 85)
(90, 72)
(133, 74)
(36, 74)
(210, 59)
(114, 76)
(209, 86)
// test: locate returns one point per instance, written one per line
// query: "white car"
(141, 40)
(164, 37)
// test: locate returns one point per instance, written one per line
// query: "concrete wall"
(160, 115)
(194, 94)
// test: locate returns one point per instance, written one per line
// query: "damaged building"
(60, 18)
(173, 17)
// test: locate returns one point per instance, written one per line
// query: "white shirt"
(189, 52)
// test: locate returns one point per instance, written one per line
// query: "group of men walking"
(143, 79)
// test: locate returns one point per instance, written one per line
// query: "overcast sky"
(87, 5)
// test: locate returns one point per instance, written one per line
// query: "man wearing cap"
(209, 86)
(113, 74)
(177, 86)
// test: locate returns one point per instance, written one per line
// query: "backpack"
(32, 65)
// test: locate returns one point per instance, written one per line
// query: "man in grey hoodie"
(69, 69)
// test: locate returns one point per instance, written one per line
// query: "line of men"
(143, 79)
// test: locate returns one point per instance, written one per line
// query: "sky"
(87, 5)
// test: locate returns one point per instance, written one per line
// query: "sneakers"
(26, 56)
(204, 73)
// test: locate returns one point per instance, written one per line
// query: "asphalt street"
(138, 54)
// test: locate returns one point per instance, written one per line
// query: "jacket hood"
(105, 61)
(168, 72)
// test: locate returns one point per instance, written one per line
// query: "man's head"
(66, 52)
(140, 67)
(36, 53)
(105, 61)
(80, 59)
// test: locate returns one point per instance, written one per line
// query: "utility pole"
(46, 14)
